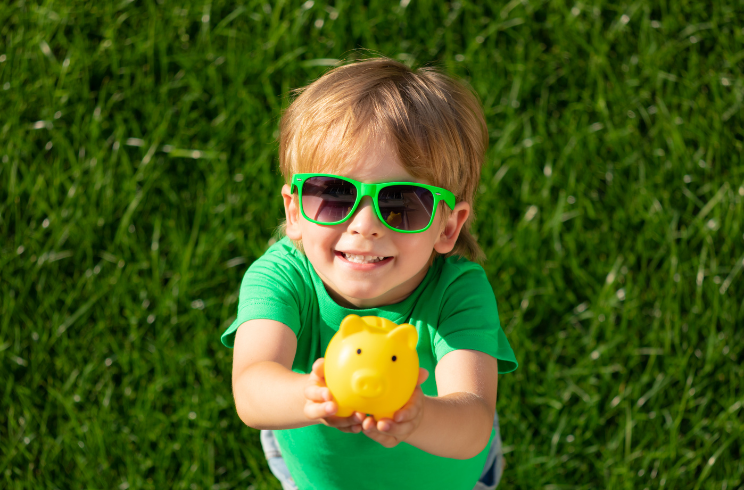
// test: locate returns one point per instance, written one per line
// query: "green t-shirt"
(453, 308)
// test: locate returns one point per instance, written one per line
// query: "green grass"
(138, 181)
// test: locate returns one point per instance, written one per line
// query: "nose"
(364, 221)
(367, 383)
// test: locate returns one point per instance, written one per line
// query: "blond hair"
(434, 123)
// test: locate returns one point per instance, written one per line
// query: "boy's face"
(371, 284)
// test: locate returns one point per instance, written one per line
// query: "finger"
(352, 429)
(316, 411)
(399, 431)
(337, 421)
(412, 407)
(423, 376)
(369, 424)
(317, 374)
(406, 412)
(344, 424)
(386, 440)
(385, 425)
(319, 368)
(318, 394)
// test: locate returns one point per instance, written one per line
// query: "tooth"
(361, 259)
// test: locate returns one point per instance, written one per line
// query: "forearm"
(456, 426)
(270, 396)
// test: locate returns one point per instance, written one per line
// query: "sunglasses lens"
(327, 199)
(406, 207)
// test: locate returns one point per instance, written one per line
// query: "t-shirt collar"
(333, 313)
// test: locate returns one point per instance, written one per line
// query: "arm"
(268, 394)
(457, 423)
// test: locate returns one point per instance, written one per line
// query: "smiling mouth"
(362, 259)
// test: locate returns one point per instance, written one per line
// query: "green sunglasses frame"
(373, 191)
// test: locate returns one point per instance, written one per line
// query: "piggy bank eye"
(359, 351)
(395, 358)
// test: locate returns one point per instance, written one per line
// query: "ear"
(292, 213)
(405, 333)
(376, 321)
(350, 325)
(451, 229)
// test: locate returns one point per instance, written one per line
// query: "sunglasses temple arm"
(449, 201)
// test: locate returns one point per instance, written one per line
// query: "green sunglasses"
(406, 207)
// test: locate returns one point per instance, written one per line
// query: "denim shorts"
(489, 479)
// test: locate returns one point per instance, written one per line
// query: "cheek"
(320, 239)
(420, 244)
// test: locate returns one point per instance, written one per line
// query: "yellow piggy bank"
(371, 366)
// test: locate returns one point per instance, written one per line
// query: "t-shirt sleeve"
(469, 319)
(272, 290)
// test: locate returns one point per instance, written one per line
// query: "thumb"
(319, 368)
(423, 376)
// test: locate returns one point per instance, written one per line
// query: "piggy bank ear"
(350, 325)
(405, 334)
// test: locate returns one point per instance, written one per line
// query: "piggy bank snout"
(367, 383)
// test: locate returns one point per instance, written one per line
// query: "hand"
(320, 406)
(389, 432)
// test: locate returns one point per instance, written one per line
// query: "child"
(397, 251)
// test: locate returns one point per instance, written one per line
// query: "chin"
(361, 294)
(363, 297)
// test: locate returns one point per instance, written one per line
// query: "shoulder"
(457, 270)
(282, 268)
(463, 285)
(281, 255)
(276, 287)
(454, 284)
(283, 250)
